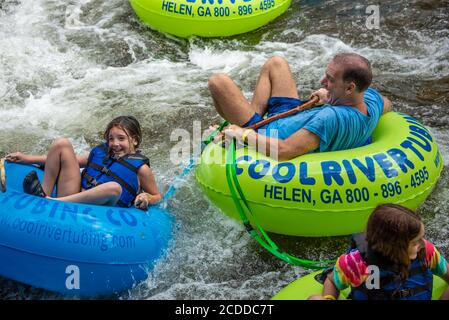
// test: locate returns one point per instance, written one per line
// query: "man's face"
(333, 82)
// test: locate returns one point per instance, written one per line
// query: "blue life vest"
(102, 167)
(417, 286)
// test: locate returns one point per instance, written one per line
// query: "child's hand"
(317, 297)
(16, 157)
(143, 200)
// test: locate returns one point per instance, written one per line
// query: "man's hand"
(209, 130)
(233, 131)
(218, 137)
(322, 94)
(228, 132)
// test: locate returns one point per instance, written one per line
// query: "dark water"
(68, 67)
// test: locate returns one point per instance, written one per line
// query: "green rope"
(254, 228)
(214, 133)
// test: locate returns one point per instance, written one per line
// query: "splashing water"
(69, 67)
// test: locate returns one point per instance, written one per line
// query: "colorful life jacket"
(417, 286)
(102, 167)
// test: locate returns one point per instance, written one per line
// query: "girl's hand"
(317, 297)
(17, 157)
(143, 200)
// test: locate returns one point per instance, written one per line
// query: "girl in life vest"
(115, 173)
(391, 261)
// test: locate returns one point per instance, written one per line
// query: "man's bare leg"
(275, 79)
(229, 100)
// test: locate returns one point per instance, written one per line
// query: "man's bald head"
(356, 69)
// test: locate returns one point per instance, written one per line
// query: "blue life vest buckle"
(105, 170)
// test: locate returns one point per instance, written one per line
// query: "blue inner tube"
(76, 249)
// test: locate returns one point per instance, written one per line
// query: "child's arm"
(82, 161)
(148, 184)
(445, 295)
(437, 264)
(446, 275)
(330, 291)
(338, 279)
(38, 159)
(26, 158)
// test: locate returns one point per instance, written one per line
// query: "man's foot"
(31, 185)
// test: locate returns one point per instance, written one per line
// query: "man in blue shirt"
(348, 114)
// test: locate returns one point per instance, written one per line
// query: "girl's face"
(120, 143)
(416, 244)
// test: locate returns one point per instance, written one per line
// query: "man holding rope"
(347, 114)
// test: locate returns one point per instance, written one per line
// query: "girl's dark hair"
(390, 229)
(129, 124)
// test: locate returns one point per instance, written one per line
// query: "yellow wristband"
(245, 135)
(329, 297)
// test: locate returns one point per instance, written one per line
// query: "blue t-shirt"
(338, 127)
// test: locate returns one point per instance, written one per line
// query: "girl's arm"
(446, 275)
(26, 158)
(437, 264)
(82, 161)
(148, 184)
(38, 159)
(329, 288)
(330, 292)
(445, 295)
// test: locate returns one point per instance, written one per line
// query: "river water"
(68, 67)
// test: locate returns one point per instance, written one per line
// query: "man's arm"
(299, 143)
